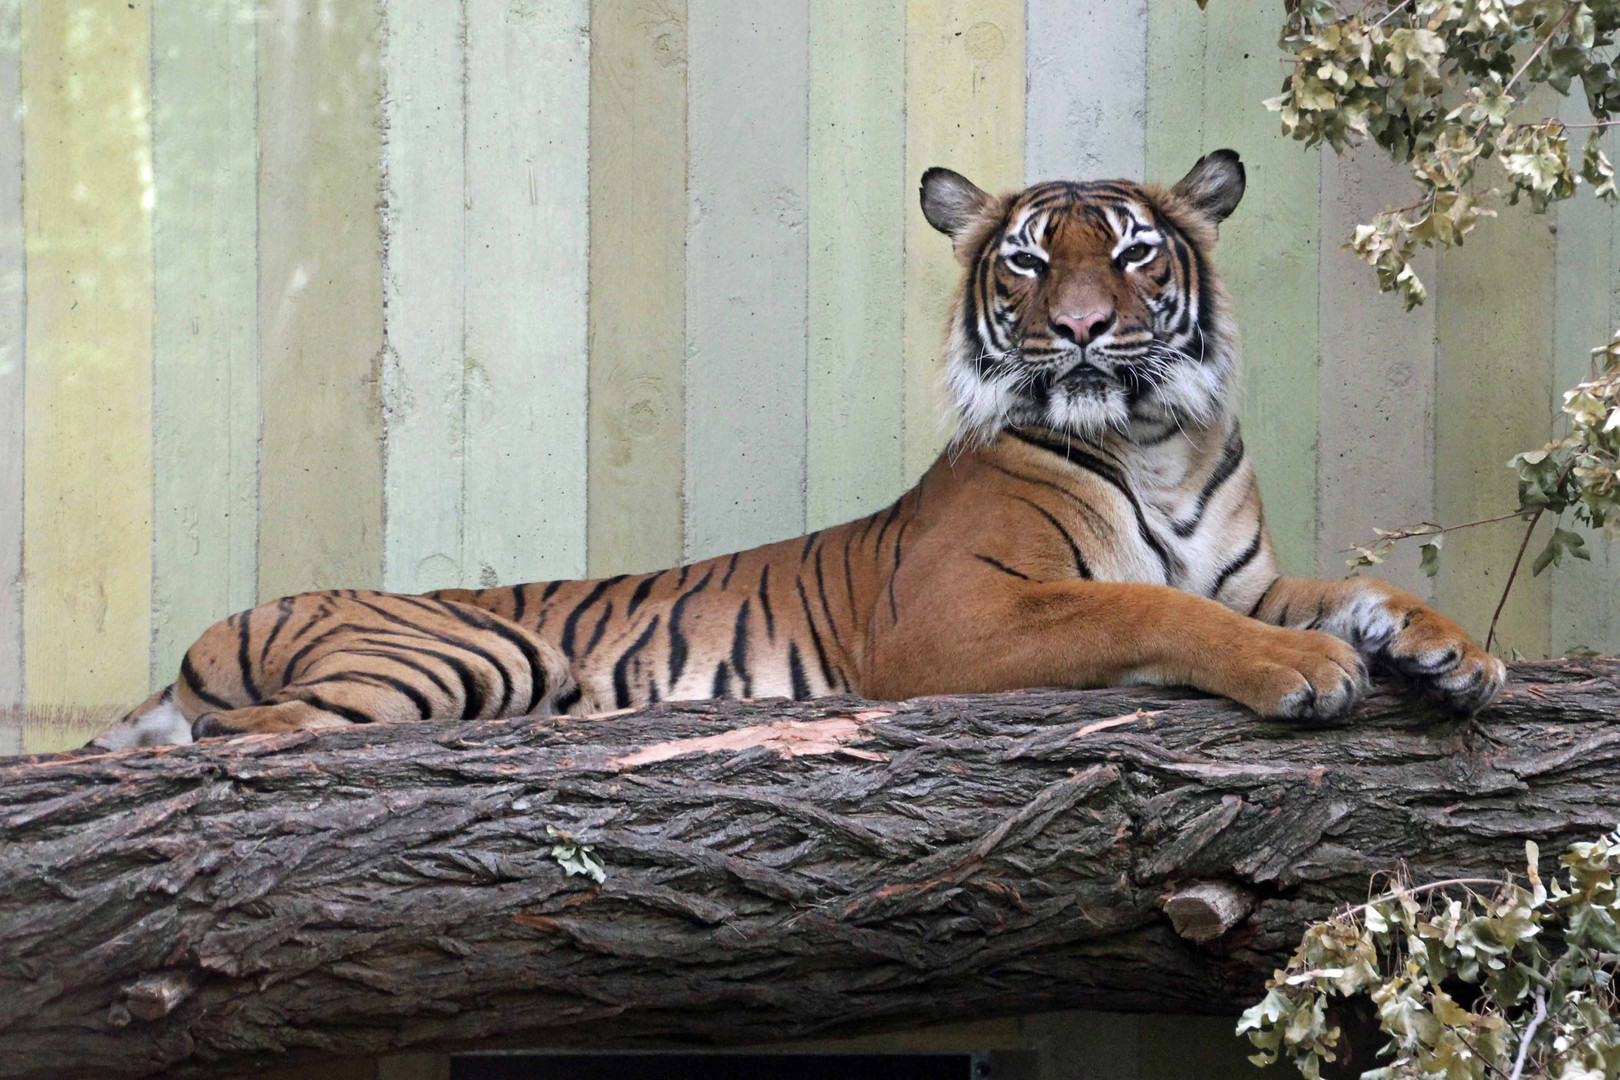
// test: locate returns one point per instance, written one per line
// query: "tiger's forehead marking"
(1113, 212)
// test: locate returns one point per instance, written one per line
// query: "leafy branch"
(1513, 983)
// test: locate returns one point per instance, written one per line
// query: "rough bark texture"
(773, 869)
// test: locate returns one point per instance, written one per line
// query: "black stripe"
(284, 610)
(354, 716)
(999, 565)
(739, 650)
(424, 708)
(550, 590)
(765, 602)
(1076, 456)
(893, 510)
(474, 694)
(801, 685)
(677, 640)
(601, 625)
(811, 539)
(1231, 458)
(722, 681)
(899, 537)
(405, 661)
(324, 611)
(621, 669)
(821, 592)
(680, 582)
(652, 692)
(849, 581)
(537, 677)
(1099, 525)
(646, 586)
(188, 675)
(1080, 566)
(730, 567)
(815, 635)
(520, 601)
(1238, 563)
(566, 700)
(1254, 612)
(244, 663)
(289, 670)
(572, 623)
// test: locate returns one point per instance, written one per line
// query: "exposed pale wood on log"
(1205, 911)
(393, 889)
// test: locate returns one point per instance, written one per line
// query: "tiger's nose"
(1082, 329)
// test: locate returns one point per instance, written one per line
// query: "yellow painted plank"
(1493, 400)
(88, 460)
(12, 308)
(859, 199)
(638, 286)
(965, 111)
(320, 297)
(205, 443)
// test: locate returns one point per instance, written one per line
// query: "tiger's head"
(1088, 306)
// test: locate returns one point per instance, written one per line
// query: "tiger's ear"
(952, 203)
(1215, 185)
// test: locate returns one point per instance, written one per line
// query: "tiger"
(1094, 522)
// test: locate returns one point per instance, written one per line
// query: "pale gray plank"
(746, 274)
(1086, 116)
(12, 307)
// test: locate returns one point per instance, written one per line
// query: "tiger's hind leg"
(291, 715)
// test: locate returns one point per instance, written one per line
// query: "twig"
(1490, 635)
(1414, 890)
(1569, 10)
(1430, 528)
(1530, 1034)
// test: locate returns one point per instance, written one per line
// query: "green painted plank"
(965, 87)
(746, 265)
(858, 204)
(13, 307)
(424, 268)
(205, 437)
(638, 286)
(1175, 88)
(1493, 400)
(1585, 595)
(528, 130)
(1268, 256)
(88, 380)
(1376, 395)
(320, 297)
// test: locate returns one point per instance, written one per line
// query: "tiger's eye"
(1135, 253)
(1023, 260)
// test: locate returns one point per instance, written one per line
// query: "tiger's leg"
(1392, 629)
(996, 635)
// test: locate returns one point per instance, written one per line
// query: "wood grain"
(773, 870)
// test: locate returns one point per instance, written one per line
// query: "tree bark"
(772, 869)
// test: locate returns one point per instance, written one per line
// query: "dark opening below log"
(846, 866)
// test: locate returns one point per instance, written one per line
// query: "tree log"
(772, 869)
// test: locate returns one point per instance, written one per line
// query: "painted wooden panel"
(965, 111)
(528, 132)
(1086, 112)
(1376, 463)
(1177, 36)
(1268, 256)
(205, 434)
(1493, 400)
(638, 286)
(859, 196)
(320, 297)
(1585, 595)
(424, 298)
(747, 249)
(12, 311)
(88, 458)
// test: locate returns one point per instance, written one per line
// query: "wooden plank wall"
(419, 294)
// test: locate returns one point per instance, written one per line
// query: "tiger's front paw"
(1438, 657)
(1297, 675)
